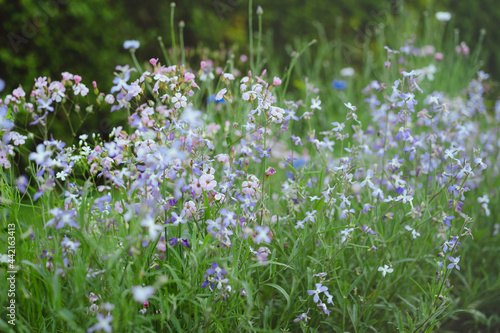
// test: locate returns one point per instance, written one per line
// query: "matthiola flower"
(5, 123)
(142, 294)
(302, 316)
(414, 233)
(220, 94)
(179, 100)
(207, 182)
(385, 270)
(453, 263)
(262, 235)
(316, 103)
(215, 277)
(310, 216)
(103, 324)
(62, 218)
(319, 289)
(350, 106)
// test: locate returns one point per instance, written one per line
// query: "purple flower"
(4, 122)
(453, 263)
(447, 220)
(262, 235)
(62, 218)
(45, 104)
(42, 156)
(303, 317)
(319, 289)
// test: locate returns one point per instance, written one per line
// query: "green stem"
(259, 51)
(172, 31)
(250, 34)
(163, 50)
(181, 42)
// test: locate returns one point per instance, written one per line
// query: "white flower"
(316, 103)
(220, 94)
(142, 294)
(348, 71)
(385, 270)
(443, 16)
(103, 323)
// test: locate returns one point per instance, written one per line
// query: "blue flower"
(339, 84)
(211, 99)
(131, 44)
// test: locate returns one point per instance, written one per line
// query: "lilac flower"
(214, 275)
(5, 123)
(262, 235)
(45, 104)
(310, 216)
(41, 157)
(324, 308)
(451, 244)
(184, 242)
(368, 230)
(62, 218)
(447, 220)
(297, 140)
(121, 83)
(345, 213)
(453, 263)
(345, 233)
(22, 183)
(366, 208)
(176, 219)
(319, 289)
(302, 316)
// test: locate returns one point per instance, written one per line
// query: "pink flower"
(110, 99)
(276, 81)
(223, 158)
(153, 61)
(207, 182)
(438, 56)
(19, 92)
(249, 186)
(67, 76)
(77, 78)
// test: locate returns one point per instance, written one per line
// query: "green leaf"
(281, 290)
(208, 212)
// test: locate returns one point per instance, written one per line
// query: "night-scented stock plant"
(235, 200)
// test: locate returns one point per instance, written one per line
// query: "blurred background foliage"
(47, 37)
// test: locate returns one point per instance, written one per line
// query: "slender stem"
(181, 42)
(250, 34)
(163, 50)
(259, 50)
(172, 31)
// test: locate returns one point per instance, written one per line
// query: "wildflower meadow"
(232, 194)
